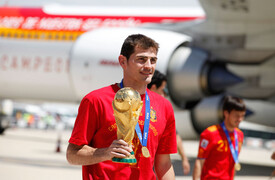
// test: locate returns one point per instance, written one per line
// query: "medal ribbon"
(143, 139)
(235, 151)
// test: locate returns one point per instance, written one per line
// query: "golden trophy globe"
(127, 106)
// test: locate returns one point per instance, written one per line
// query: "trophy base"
(129, 160)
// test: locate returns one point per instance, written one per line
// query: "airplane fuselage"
(36, 45)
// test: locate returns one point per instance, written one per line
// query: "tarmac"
(30, 154)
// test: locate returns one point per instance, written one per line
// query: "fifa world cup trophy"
(127, 106)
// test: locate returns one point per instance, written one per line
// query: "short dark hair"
(233, 103)
(157, 79)
(128, 47)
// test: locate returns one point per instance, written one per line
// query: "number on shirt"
(222, 146)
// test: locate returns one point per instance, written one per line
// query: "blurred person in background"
(59, 126)
(220, 144)
(158, 85)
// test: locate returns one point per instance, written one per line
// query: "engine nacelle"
(94, 56)
(184, 75)
(207, 112)
(192, 76)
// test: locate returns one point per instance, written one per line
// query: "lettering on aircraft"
(46, 64)
(11, 22)
(109, 62)
(65, 24)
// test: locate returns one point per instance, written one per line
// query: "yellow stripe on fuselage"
(39, 35)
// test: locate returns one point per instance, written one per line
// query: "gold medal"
(237, 166)
(145, 152)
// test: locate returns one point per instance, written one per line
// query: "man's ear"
(153, 87)
(122, 61)
(225, 114)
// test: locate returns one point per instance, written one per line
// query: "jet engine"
(192, 76)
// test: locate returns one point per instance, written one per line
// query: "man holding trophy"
(125, 131)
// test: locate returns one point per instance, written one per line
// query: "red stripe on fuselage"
(36, 18)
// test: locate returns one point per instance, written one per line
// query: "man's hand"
(185, 166)
(87, 155)
(119, 149)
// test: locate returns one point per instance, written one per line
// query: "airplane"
(61, 53)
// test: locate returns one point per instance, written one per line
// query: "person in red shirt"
(158, 85)
(93, 143)
(220, 144)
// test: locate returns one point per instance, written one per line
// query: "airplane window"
(42, 36)
(36, 36)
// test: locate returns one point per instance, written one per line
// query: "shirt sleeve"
(204, 145)
(85, 124)
(241, 136)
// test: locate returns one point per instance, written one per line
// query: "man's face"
(141, 65)
(234, 118)
(160, 90)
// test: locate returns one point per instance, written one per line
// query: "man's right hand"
(119, 149)
(87, 155)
